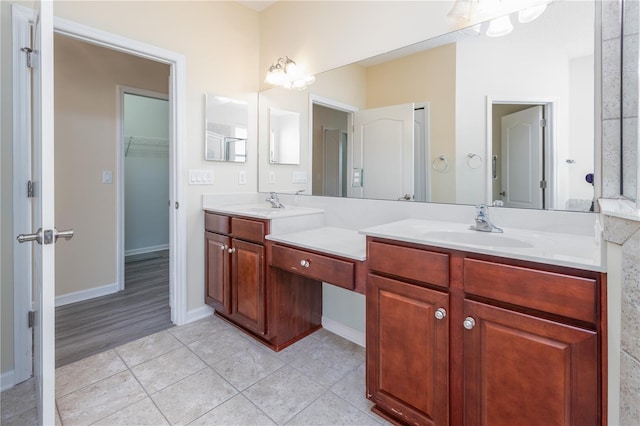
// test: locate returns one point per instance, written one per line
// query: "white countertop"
(623, 209)
(337, 241)
(576, 251)
(263, 210)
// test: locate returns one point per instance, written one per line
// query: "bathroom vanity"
(462, 327)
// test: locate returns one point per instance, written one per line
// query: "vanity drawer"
(410, 263)
(555, 293)
(247, 229)
(216, 223)
(323, 268)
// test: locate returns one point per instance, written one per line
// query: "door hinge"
(543, 184)
(28, 51)
(31, 189)
(31, 318)
(543, 123)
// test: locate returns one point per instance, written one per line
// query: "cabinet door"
(248, 285)
(523, 370)
(217, 272)
(407, 351)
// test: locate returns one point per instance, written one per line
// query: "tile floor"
(206, 373)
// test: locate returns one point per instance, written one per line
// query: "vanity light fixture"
(499, 27)
(286, 73)
(531, 13)
(479, 10)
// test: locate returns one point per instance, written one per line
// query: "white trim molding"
(199, 313)
(79, 296)
(351, 334)
(144, 250)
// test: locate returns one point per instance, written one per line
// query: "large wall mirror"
(462, 118)
(226, 129)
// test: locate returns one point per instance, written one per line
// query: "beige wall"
(429, 76)
(219, 41)
(86, 134)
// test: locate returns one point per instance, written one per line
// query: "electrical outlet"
(107, 176)
(272, 177)
(242, 177)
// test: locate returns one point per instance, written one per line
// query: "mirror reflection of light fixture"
(499, 27)
(531, 13)
(286, 73)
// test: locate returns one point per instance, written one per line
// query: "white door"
(522, 169)
(43, 232)
(385, 138)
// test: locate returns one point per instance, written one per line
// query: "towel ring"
(440, 164)
(474, 161)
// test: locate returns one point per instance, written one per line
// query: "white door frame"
(120, 251)
(550, 106)
(340, 106)
(21, 24)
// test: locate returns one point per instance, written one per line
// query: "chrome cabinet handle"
(440, 313)
(469, 323)
(232, 250)
(305, 263)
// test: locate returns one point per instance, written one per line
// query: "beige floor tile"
(189, 333)
(90, 370)
(167, 369)
(352, 388)
(17, 400)
(330, 409)
(142, 413)
(193, 396)
(247, 367)
(331, 361)
(147, 348)
(94, 402)
(284, 394)
(236, 411)
(216, 347)
(301, 347)
(26, 418)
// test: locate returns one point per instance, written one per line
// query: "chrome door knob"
(25, 238)
(440, 313)
(223, 247)
(469, 323)
(66, 235)
(232, 250)
(305, 263)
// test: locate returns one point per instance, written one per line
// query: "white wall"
(146, 183)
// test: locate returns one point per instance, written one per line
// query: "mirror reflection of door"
(384, 138)
(521, 179)
(335, 163)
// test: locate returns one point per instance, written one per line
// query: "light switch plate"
(242, 177)
(299, 177)
(200, 177)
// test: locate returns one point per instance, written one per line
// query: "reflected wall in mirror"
(226, 129)
(465, 82)
(284, 136)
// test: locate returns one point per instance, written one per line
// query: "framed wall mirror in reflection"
(226, 129)
(284, 136)
(466, 118)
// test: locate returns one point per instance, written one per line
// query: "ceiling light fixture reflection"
(286, 73)
(499, 27)
(531, 13)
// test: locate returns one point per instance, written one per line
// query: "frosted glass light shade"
(499, 27)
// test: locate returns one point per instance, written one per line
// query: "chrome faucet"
(275, 202)
(483, 223)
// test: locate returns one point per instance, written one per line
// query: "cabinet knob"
(304, 263)
(232, 250)
(469, 323)
(440, 313)
(223, 247)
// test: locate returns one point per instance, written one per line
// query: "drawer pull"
(223, 247)
(469, 323)
(305, 263)
(232, 250)
(440, 313)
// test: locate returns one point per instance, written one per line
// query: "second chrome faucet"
(275, 202)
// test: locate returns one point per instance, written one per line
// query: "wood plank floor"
(142, 308)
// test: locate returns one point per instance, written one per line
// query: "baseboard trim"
(79, 296)
(6, 380)
(351, 334)
(144, 250)
(199, 313)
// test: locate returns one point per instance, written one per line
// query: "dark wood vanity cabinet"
(515, 342)
(271, 305)
(235, 270)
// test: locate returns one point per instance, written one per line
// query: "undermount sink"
(265, 211)
(476, 238)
